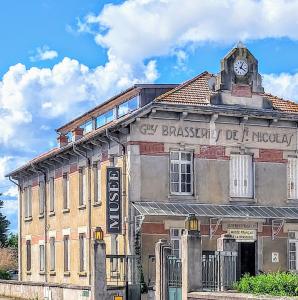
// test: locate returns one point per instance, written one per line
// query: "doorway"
(246, 259)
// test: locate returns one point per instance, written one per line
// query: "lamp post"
(192, 224)
(99, 278)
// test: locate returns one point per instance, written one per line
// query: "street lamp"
(98, 234)
(192, 223)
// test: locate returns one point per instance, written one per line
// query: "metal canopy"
(215, 211)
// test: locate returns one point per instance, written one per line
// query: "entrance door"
(246, 259)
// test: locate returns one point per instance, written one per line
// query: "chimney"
(78, 133)
(62, 140)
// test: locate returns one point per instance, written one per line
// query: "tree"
(12, 241)
(4, 223)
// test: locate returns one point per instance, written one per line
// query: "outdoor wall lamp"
(98, 234)
(192, 223)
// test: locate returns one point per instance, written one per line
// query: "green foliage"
(276, 284)
(12, 241)
(4, 223)
(4, 275)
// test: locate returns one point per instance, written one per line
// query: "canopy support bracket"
(213, 226)
(276, 226)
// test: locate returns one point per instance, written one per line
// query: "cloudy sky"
(60, 58)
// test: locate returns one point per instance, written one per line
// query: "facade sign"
(114, 197)
(218, 134)
(243, 235)
(242, 226)
(275, 257)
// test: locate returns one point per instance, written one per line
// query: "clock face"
(240, 67)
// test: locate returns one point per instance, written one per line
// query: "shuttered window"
(41, 197)
(293, 251)
(97, 183)
(66, 253)
(82, 251)
(66, 191)
(181, 172)
(52, 254)
(41, 258)
(82, 186)
(28, 201)
(28, 255)
(292, 178)
(241, 176)
(52, 194)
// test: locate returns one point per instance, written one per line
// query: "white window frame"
(237, 178)
(293, 239)
(83, 186)
(176, 237)
(28, 201)
(181, 162)
(97, 182)
(41, 245)
(292, 178)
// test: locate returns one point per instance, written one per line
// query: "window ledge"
(28, 273)
(82, 274)
(182, 196)
(41, 216)
(292, 201)
(65, 210)
(51, 214)
(96, 204)
(82, 206)
(28, 219)
(67, 273)
(52, 273)
(42, 273)
(243, 199)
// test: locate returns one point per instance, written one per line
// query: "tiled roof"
(196, 91)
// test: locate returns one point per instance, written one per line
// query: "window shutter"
(52, 194)
(292, 178)
(25, 197)
(29, 201)
(241, 176)
(41, 197)
(65, 191)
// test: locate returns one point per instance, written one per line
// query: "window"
(70, 136)
(82, 186)
(66, 191)
(87, 126)
(28, 201)
(28, 255)
(128, 106)
(181, 172)
(97, 182)
(52, 194)
(241, 176)
(293, 251)
(292, 178)
(105, 118)
(82, 245)
(41, 197)
(175, 235)
(52, 254)
(66, 253)
(41, 258)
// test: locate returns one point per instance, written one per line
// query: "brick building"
(217, 146)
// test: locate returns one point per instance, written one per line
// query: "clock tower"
(239, 71)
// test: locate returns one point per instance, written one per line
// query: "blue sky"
(61, 57)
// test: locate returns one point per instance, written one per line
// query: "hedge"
(275, 284)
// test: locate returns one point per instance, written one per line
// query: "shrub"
(276, 284)
(4, 275)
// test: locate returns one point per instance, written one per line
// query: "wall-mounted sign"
(114, 212)
(243, 235)
(242, 226)
(275, 257)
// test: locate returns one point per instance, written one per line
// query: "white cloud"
(44, 53)
(10, 207)
(11, 192)
(284, 85)
(140, 29)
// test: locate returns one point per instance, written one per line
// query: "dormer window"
(128, 106)
(87, 126)
(105, 118)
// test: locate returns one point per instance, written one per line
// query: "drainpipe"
(84, 155)
(20, 228)
(45, 212)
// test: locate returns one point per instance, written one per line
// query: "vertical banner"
(114, 201)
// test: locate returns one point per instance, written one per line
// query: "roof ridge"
(182, 85)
